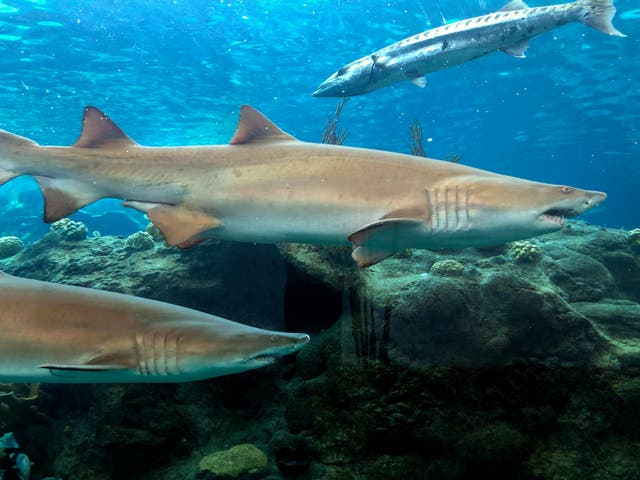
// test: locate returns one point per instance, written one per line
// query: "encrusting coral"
(69, 230)
(525, 252)
(9, 246)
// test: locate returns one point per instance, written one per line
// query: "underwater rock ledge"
(444, 364)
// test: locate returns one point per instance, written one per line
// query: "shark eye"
(273, 338)
(567, 189)
(342, 71)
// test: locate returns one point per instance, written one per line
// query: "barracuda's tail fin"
(598, 14)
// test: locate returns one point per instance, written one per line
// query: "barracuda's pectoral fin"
(418, 80)
(379, 240)
(254, 127)
(517, 50)
(180, 226)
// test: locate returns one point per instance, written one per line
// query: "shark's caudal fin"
(598, 14)
(10, 147)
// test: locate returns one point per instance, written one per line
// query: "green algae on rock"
(244, 458)
(525, 252)
(139, 241)
(447, 267)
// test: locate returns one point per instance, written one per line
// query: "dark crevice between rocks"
(310, 305)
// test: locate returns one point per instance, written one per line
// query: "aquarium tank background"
(515, 361)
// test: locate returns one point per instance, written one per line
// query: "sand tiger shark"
(65, 334)
(268, 187)
(508, 29)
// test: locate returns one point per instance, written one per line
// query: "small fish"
(508, 29)
(63, 334)
(268, 187)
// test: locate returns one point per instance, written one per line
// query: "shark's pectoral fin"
(517, 49)
(180, 226)
(379, 240)
(63, 196)
(102, 362)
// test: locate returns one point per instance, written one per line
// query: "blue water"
(176, 72)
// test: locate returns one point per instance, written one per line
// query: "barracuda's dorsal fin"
(514, 5)
(255, 127)
(99, 131)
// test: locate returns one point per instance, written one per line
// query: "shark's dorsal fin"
(514, 5)
(255, 127)
(99, 131)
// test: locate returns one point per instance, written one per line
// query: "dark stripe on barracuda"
(509, 30)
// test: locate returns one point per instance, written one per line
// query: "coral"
(447, 267)
(68, 230)
(244, 458)
(155, 233)
(633, 236)
(525, 252)
(139, 241)
(9, 246)
(332, 133)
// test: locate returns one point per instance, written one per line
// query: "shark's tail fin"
(62, 196)
(598, 14)
(10, 147)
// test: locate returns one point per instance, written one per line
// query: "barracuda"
(509, 30)
(268, 187)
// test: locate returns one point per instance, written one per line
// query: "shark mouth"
(264, 358)
(558, 215)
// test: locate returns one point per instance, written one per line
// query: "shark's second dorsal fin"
(255, 127)
(514, 5)
(98, 131)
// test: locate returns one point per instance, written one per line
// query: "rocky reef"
(519, 361)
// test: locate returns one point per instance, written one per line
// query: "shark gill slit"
(466, 209)
(436, 201)
(428, 215)
(457, 208)
(139, 343)
(154, 353)
(446, 208)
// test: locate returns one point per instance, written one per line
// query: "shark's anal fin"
(99, 131)
(180, 226)
(379, 240)
(254, 127)
(64, 196)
